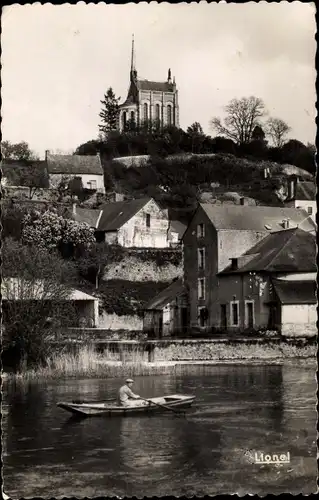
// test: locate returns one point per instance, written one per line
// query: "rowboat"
(113, 409)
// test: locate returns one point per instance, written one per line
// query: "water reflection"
(238, 408)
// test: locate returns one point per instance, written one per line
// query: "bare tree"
(277, 129)
(242, 116)
(35, 298)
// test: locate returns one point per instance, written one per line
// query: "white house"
(302, 194)
(140, 223)
(87, 167)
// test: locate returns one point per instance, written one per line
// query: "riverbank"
(133, 358)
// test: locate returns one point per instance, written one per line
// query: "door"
(250, 314)
(184, 319)
(223, 316)
(160, 325)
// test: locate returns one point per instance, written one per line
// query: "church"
(149, 102)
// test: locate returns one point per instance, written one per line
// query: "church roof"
(155, 86)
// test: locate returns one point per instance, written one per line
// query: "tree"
(18, 151)
(197, 137)
(277, 129)
(242, 116)
(35, 294)
(110, 112)
(50, 231)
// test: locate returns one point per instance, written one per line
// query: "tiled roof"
(157, 86)
(129, 101)
(292, 250)
(166, 296)
(305, 191)
(87, 215)
(255, 218)
(114, 215)
(74, 164)
(295, 292)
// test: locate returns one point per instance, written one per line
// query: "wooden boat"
(112, 409)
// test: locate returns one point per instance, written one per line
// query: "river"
(239, 411)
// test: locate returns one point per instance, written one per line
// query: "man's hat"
(128, 380)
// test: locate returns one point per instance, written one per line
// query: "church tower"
(149, 102)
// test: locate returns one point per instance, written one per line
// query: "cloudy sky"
(59, 60)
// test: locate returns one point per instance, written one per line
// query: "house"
(86, 306)
(272, 285)
(302, 194)
(140, 223)
(87, 167)
(167, 313)
(217, 233)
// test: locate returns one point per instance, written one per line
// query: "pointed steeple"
(133, 73)
(169, 77)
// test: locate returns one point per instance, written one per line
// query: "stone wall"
(116, 322)
(209, 350)
(132, 268)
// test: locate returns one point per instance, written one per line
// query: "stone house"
(140, 223)
(149, 102)
(302, 194)
(87, 167)
(167, 313)
(272, 285)
(218, 233)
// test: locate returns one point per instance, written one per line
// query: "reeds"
(86, 362)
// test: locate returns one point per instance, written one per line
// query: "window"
(309, 210)
(201, 288)
(124, 119)
(92, 184)
(201, 258)
(157, 112)
(200, 230)
(145, 112)
(234, 313)
(169, 115)
(249, 314)
(202, 314)
(148, 220)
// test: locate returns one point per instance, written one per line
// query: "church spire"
(133, 72)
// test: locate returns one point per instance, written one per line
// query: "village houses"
(302, 194)
(86, 167)
(139, 223)
(218, 235)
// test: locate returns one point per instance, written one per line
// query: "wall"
(55, 179)
(210, 350)
(233, 243)
(135, 233)
(299, 320)
(131, 268)
(115, 322)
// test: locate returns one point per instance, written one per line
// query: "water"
(239, 410)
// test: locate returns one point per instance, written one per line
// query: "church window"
(145, 112)
(124, 119)
(157, 112)
(169, 115)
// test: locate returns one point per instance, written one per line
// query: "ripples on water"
(239, 410)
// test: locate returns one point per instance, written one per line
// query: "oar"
(81, 401)
(162, 406)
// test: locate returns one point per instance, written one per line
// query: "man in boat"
(126, 396)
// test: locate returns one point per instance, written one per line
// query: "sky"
(59, 60)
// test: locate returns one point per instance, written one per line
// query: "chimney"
(243, 201)
(285, 223)
(74, 208)
(234, 263)
(291, 188)
(47, 152)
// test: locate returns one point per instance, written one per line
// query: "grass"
(86, 362)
